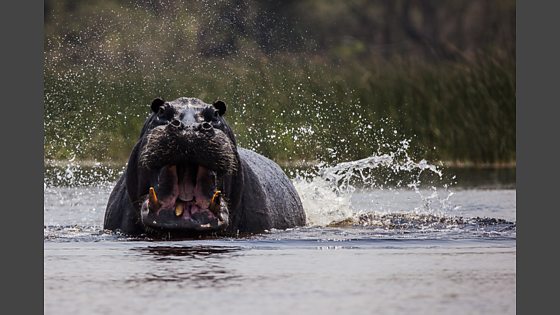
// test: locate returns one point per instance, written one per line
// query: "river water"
(372, 249)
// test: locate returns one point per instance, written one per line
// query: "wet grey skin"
(186, 176)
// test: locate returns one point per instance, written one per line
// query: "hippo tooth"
(215, 202)
(153, 200)
(179, 208)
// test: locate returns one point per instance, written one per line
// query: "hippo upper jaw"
(181, 169)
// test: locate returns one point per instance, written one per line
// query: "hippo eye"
(165, 112)
(209, 114)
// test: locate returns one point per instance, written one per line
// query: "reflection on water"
(187, 266)
(316, 277)
(163, 253)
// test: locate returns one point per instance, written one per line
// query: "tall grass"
(294, 107)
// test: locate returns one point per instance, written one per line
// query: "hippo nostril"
(176, 123)
(206, 126)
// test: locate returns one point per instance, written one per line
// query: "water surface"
(390, 251)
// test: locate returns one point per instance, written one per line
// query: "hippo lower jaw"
(185, 198)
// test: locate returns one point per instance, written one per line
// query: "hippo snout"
(204, 127)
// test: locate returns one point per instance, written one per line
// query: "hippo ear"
(220, 106)
(156, 104)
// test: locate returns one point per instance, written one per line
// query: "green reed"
(294, 107)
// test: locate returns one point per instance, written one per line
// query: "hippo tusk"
(214, 206)
(179, 208)
(153, 203)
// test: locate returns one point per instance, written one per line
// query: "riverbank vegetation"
(303, 80)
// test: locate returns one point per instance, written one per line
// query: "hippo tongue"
(204, 187)
(196, 183)
(187, 180)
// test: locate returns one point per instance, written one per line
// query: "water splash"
(327, 191)
(73, 173)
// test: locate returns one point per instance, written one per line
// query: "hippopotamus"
(186, 175)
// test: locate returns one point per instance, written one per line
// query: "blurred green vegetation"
(304, 80)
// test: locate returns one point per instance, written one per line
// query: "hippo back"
(269, 199)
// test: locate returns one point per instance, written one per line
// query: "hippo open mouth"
(185, 197)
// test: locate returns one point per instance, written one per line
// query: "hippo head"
(175, 175)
